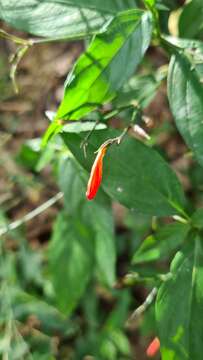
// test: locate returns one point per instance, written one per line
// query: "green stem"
(14, 65)
(80, 36)
(15, 39)
(84, 143)
(155, 15)
(117, 140)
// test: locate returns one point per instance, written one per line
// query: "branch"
(142, 308)
(32, 214)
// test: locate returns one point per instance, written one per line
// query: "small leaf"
(196, 46)
(53, 129)
(82, 126)
(164, 242)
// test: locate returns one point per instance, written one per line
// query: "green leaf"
(165, 241)
(197, 219)
(191, 19)
(179, 307)
(195, 46)
(150, 2)
(29, 154)
(82, 126)
(51, 320)
(140, 89)
(133, 173)
(97, 216)
(101, 220)
(110, 60)
(71, 184)
(186, 101)
(71, 259)
(55, 128)
(121, 341)
(60, 18)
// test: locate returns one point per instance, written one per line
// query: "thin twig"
(80, 36)
(25, 44)
(16, 39)
(14, 225)
(15, 60)
(142, 308)
(84, 143)
(117, 140)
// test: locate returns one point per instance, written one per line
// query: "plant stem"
(14, 225)
(15, 39)
(142, 308)
(117, 140)
(75, 37)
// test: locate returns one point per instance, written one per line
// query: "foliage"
(72, 298)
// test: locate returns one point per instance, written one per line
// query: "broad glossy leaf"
(60, 18)
(109, 61)
(179, 307)
(185, 93)
(133, 173)
(160, 245)
(71, 258)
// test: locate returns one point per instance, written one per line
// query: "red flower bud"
(153, 347)
(96, 174)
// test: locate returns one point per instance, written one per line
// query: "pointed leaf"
(110, 60)
(185, 93)
(164, 242)
(179, 307)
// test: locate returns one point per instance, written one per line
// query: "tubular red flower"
(153, 347)
(96, 174)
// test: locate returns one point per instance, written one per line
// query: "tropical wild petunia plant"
(125, 164)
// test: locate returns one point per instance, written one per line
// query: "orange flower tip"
(153, 347)
(89, 196)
